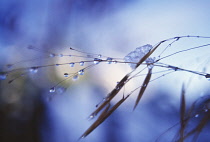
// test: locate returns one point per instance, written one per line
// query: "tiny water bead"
(52, 90)
(82, 63)
(52, 55)
(3, 76)
(33, 69)
(99, 55)
(66, 75)
(91, 116)
(96, 61)
(109, 60)
(71, 64)
(81, 72)
(60, 55)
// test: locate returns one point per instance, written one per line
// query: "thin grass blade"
(111, 95)
(96, 123)
(104, 115)
(143, 88)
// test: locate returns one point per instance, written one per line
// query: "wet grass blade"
(96, 123)
(111, 95)
(104, 115)
(143, 88)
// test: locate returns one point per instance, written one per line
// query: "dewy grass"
(141, 57)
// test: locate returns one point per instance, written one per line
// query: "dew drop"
(52, 55)
(81, 72)
(206, 110)
(3, 76)
(82, 63)
(71, 64)
(33, 69)
(96, 61)
(109, 60)
(197, 115)
(82, 137)
(99, 55)
(91, 116)
(60, 55)
(56, 64)
(75, 77)
(52, 90)
(66, 75)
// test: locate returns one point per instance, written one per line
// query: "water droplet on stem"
(82, 63)
(109, 60)
(81, 72)
(71, 64)
(52, 90)
(66, 75)
(96, 61)
(52, 55)
(60, 55)
(99, 55)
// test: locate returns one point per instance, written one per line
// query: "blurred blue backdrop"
(112, 28)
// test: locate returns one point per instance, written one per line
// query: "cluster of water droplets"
(135, 56)
(75, 76)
